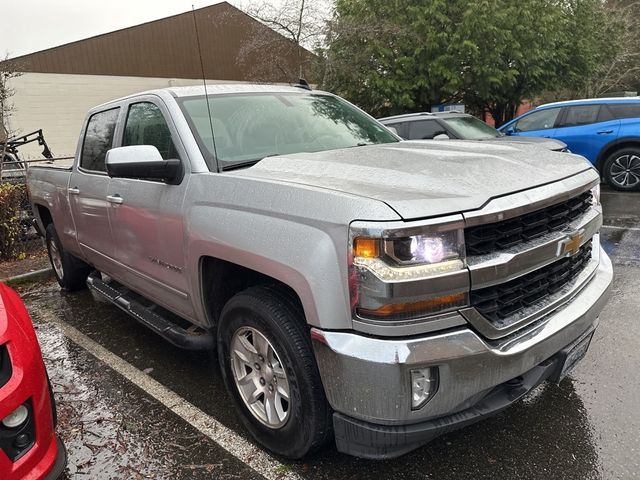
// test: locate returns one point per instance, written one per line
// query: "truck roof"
(214, 89)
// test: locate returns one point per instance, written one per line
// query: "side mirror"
(510, 131)
(141, 161)
(393, 130)
(441, 136)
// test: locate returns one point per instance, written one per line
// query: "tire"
(70, 272)
(621, 169)
(298, 427)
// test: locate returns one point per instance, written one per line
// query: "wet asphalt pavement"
(586, 428)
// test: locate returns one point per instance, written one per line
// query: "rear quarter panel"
(47, 187)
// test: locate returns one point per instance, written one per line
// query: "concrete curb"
(29, 277)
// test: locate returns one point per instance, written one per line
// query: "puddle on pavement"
(112, 430)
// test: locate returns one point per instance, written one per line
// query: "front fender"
(310, 259)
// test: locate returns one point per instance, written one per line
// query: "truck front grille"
(5, 366)
(500, 302)
(488, 238)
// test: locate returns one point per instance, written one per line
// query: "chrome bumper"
(368, 379)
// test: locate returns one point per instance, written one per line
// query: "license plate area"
(573, 354)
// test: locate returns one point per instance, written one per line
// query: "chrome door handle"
(603, 132)
(73, 191)
(117, 199)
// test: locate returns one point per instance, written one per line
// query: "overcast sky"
(32, 25)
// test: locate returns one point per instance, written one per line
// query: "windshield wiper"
(237, 166)
(250, 163)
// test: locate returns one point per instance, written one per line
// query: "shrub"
(11, 198)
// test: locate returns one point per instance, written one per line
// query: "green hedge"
(11, 197)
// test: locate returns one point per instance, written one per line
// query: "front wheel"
(70, 272)
(621, 170)
(268, 366)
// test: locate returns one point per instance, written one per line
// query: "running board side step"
(129, 303)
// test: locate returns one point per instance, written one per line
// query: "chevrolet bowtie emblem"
(570, 245)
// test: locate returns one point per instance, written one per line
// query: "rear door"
(147, 223)
(538, 123)
(88, 190)
(586, 129)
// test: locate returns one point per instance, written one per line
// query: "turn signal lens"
(399, 311)
(366, 247)
(16, 418)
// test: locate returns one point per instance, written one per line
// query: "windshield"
(470, 128)
(250, 127)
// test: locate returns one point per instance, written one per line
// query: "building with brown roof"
(60, 84)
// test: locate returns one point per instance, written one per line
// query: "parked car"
(355, 285)
(604, 130)
(29, 447)
(445, 125)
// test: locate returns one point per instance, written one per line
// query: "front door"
(147, 221)
(539, 123)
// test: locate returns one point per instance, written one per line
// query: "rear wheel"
(70, 272)
(621, 170)
(268, 366)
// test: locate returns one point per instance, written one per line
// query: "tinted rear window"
(580, 115)
(625, 110)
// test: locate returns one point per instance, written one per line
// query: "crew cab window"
(580, 115)
(146, 125)
(424, 130)
(98, 139)
(625, 110)
(541, 120)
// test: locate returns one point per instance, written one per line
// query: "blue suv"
(604, 130)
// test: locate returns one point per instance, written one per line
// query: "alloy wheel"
(260, 378)
(625, 171)
(56, 259)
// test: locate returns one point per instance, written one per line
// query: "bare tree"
(620, 69)
(7, 72)
(301, 22)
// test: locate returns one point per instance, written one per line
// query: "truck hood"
(423, 179)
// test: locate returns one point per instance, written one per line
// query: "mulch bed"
(35, 260)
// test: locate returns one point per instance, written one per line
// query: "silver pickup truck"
(355, 286)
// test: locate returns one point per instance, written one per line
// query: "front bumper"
(60, 462)
(367, 380)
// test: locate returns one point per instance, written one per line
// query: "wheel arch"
(43, 217)
(220, 280)
(611, 147)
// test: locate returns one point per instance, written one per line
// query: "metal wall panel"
(234, 47)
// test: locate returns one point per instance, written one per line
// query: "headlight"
(407, 272)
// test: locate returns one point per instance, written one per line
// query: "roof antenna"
(204, 83)
(302, 83)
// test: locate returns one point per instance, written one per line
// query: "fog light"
(16, 418)
(424, 385)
